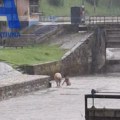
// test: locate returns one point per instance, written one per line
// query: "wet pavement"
(68, 41)
(64, 103)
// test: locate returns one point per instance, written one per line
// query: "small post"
(93, 93)
(86, 111)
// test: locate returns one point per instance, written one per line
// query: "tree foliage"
(92, 2)
(116, 2)
(109, 3)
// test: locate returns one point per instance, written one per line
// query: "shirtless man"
(58, 78)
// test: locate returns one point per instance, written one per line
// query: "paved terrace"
(65, 103)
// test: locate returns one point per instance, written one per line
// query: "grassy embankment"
(102, 8)
(31, 55)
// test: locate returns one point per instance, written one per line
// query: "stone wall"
(43, 69)
(22, 85)
(79, 59)
(99, 50)
(103, 114)
(76, 61)
(86, 57)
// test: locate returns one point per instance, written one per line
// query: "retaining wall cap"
(21, 79)
(45, 63)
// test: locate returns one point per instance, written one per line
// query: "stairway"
(113, 66)
(31, 36)
(113, 41)
(113, 38)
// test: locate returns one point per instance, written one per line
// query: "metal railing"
(87, 19)
(102, 20)
(93, 96)
(55, 19)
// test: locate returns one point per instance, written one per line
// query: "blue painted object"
(9, 10)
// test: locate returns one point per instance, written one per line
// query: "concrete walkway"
(68, 41)
(65, 103)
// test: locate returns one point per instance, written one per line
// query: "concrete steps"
(113, 44)
(113, 66)
(36, 36)
(113, 38)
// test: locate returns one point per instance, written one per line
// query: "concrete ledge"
(20, 85)
(104, 114)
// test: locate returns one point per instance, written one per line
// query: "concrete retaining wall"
(87, 57)
(76, 61)
(22, 85)
(104, 114)
(79, 59)
(99, 50)
(43, 69)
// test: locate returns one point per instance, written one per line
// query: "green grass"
(101, 9)
(58, 11)
(31, 55)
